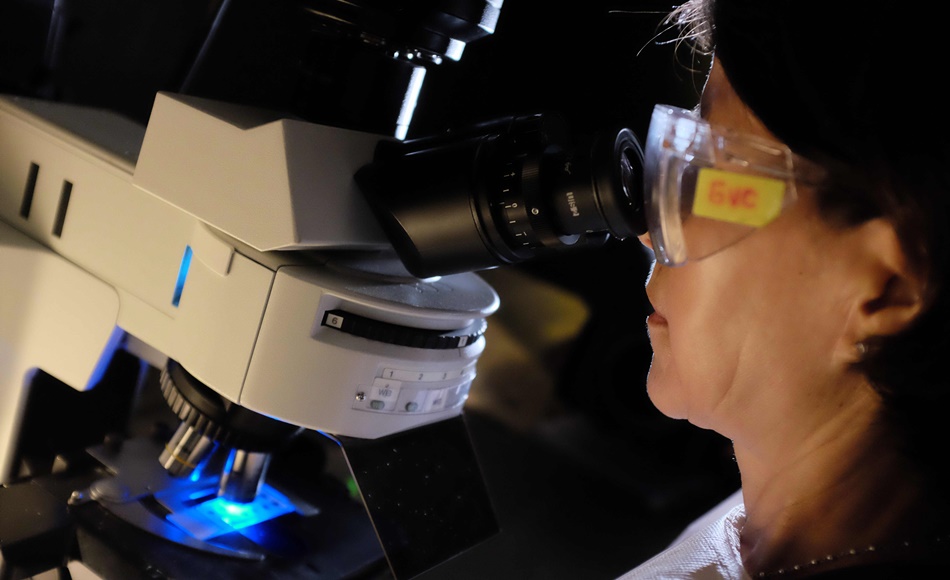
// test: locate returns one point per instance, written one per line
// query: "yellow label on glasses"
(738, 198)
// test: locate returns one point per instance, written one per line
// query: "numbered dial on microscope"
(516, 216)
(408, 388)
(415, 391)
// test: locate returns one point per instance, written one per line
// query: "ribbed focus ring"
(187, 412)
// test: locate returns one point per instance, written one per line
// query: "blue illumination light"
(182, 276)
(216, 516)
(268, 505)
(199, 470)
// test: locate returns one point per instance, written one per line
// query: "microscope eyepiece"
(504, 192)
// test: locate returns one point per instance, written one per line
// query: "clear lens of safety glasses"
(707, 188)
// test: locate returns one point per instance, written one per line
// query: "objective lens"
(187, 448)
(243, 475)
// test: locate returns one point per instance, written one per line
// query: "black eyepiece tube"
(507, 192)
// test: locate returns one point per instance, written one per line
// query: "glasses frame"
(678, 141)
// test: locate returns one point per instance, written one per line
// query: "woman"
(800, 229)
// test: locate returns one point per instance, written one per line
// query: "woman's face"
(753, 333)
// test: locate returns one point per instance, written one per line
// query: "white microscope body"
(220, 237)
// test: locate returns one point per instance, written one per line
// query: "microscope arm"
(54, 316)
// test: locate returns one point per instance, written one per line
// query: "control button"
(382, 396)
(435, 400)
(412, 400)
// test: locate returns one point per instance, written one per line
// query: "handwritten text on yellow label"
(738, 198)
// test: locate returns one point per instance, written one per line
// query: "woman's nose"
(645, 240)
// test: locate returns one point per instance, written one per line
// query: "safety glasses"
(708, 188)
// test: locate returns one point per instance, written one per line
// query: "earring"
(861, 348)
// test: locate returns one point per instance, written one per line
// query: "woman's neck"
(844, 487)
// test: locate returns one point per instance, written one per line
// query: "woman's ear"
(891, 293)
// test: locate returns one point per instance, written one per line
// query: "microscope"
(276, 284)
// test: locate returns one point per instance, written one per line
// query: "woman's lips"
(656, 319)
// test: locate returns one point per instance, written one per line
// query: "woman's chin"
(665, 394)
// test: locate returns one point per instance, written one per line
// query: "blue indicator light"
(182, 276)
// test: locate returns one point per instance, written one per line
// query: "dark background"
(586, 492)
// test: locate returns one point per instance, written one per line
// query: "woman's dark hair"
(858, 88)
